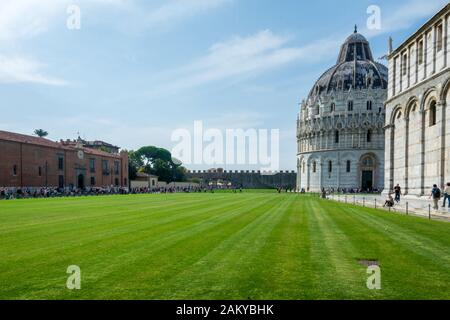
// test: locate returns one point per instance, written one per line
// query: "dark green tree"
(40, 133)
(156, 161)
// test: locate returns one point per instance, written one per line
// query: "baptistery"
(340, 126)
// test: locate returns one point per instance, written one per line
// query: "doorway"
(80, 183)
(367, 180)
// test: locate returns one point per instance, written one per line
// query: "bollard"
(354, 200)
(375, 203)
(364, 201)
(345, 199)
(429, 211)
(406, 208)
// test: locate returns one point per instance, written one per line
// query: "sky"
(137, 70)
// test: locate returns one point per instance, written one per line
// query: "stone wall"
(247, 179)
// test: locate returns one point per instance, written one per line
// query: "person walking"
(398, 192)
(436, 195)
(447, 195)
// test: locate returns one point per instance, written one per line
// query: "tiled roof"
(22, 138)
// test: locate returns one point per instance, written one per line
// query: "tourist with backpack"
(436, 195)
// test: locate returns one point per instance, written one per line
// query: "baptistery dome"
(355, 68)
(340, 127)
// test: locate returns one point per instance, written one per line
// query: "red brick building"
(27, 161)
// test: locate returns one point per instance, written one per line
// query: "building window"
(105, 167)
(439, 38)
(92, 165)
(116, 181)
(350, 105)
(369, 136)
(336, 136)
(404, 64)
(116, 167)
(92, 181)
(60, 163)
(369, 105)
(40, 171)
(15, 170)
(349, 165)
(332, 107)
(420, 52)
(61, 182)
(314, 167)
(330, 166)
(433, 113)
(153, 183)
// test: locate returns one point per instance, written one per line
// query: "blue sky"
(138, 70)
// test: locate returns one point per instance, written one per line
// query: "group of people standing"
(436, 195)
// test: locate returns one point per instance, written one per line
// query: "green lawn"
(217, 246)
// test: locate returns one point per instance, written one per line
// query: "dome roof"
(355, 68)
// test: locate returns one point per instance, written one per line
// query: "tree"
(156, 161)
(40, 133)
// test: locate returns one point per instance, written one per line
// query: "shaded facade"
(27, 161)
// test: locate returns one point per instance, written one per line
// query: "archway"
(367, 172)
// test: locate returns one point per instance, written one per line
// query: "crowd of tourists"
(51, 192)
(436, 194)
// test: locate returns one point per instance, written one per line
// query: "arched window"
(369, 135)
(314, 167)
(367, 162)
(350, 105)
(349, 164)
(332, 107)
(369, 105)
(432, 113)
(330, 166)
(336, 136)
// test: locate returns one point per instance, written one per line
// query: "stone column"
(422, 152)
(389, 132)
(405, 183)
(441, 105)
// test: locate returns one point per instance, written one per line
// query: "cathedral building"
(417, 109)
(340, 127)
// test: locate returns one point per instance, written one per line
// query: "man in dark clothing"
(436, 195)
(398, 192)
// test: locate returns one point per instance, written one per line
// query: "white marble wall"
(418, 153)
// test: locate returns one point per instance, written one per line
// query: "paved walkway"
(414, 206)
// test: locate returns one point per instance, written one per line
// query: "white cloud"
(242, 57)
(24, 19)
(19, 69)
